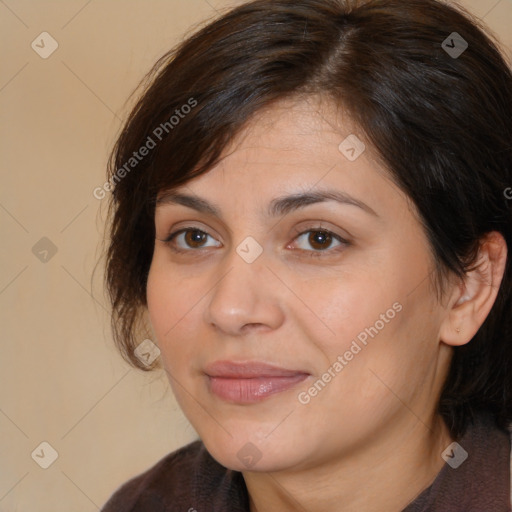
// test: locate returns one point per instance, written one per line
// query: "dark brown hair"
(440, 122)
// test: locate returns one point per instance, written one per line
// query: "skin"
(371, 439)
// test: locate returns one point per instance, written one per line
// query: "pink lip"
(250, 382)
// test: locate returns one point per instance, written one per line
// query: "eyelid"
(304, 227)
(183, 226)
(343, 242)
(298, 232)
(184, 229)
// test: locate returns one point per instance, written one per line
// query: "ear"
(472, 299)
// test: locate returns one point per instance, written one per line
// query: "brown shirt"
(190, 480)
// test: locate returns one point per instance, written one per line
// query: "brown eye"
(187, 239)
(319, 242)
(195, 238)
(320, 239)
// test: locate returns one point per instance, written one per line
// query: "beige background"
(62, 382)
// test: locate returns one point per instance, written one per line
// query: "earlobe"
(473, 298)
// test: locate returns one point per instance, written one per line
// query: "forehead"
(292, 129)
(294, 146)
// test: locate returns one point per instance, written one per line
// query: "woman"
(310, 214)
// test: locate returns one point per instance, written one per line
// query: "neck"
(386, 475)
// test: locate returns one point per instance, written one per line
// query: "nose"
(245, 298)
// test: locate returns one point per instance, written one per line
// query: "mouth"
(250, 382)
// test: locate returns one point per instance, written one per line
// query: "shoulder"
(184, 480)
(476, 475)
(484, 475)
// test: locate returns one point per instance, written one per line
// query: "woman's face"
(296, 331)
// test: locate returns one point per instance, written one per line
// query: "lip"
(250, 382)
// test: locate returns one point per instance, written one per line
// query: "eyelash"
(314, 253)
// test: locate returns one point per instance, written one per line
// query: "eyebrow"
(278, 207)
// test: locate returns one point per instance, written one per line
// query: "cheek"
(159, 293)
(173, 294)
(170, 300)
(343, 309)
(365, 301)
(375, 323)
(398, 356)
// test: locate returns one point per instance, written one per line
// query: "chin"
(245, 453)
